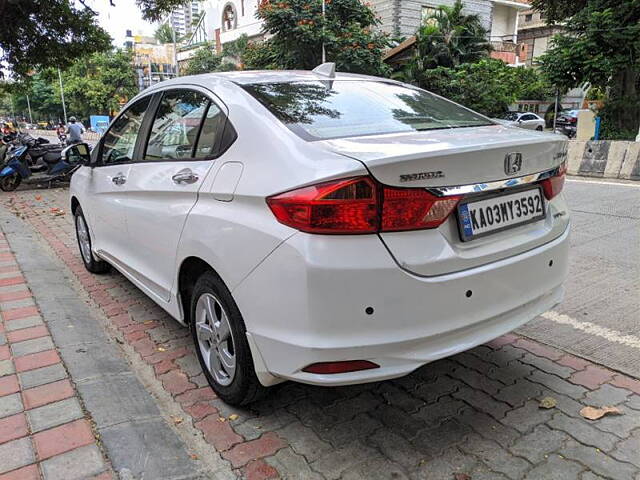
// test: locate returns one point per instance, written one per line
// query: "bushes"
(488, 86)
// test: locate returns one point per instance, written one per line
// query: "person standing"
(75, 131)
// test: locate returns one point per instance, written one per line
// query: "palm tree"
(448, 37)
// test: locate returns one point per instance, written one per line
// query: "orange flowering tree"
(296, 31)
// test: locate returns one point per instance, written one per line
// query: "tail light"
(360, 205)
(552, 186)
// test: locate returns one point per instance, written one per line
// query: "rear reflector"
(327, 368)
(552, 186)
(360, 205)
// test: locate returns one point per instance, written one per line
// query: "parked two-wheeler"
(34, 162)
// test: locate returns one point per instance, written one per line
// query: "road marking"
(599, 182)
(588, 327)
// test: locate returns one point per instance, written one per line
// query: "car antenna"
(327, 69)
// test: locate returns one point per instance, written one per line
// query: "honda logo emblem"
(512, 163)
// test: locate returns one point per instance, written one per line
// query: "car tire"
(83, 237)
(539, 128)
(220, 339)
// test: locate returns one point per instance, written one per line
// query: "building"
(222, 21)
(184, 18)
(152, 61)
(499, 18)
(534, 32)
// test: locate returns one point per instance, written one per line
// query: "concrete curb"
(108, 388)
(604, 159)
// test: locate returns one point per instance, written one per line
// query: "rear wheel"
(539, 128)
(10, 182)
(91, 263)
(219, 335)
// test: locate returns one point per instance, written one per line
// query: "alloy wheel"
(215, 339)
(83, 238)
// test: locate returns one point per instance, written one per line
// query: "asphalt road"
(600, 316)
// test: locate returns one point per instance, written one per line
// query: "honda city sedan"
(321, 227)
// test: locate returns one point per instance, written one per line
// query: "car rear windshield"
(320, 110)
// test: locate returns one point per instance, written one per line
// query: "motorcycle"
(35, 162)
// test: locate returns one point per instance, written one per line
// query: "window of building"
(427, 12)
(528, 17)
(229, 20)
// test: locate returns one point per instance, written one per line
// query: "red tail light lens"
(342, 206)
(360, 205)
(414, 209)
(552, 186)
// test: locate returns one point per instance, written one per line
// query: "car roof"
(246, 77)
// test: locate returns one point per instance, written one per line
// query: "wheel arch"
(75, 203)
(191, 268)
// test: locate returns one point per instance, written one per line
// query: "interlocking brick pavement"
(477, 413)
(37, 439)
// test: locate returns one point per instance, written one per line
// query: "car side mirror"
(79, 153)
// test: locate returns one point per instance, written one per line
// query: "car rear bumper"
(306, 303)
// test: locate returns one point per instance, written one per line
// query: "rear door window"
(176, 126)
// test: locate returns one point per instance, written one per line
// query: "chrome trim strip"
(491, 186)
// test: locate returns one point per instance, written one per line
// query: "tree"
(36, 34)
(297, 31)
(205, 60)
(164, 33)
(600, 47)
(446, 38)
(99, 84)
(488, 86)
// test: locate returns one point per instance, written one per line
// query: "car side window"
(120, 140)
(528, 117)
(212, 127)
(176, 125)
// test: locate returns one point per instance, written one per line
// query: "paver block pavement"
(74, 465)
(476, 413)
(54, 414)
(16, 454)
(42, 376)
(10, 405)
(35, 345)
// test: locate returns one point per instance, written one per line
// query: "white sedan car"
(325, 228)
(527, 120)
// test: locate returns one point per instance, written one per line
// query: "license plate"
(493, 214)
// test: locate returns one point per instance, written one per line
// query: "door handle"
(184, 177)
(119, 179)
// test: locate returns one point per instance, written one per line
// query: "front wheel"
(219, 335)
(91, 263)
(10, 182)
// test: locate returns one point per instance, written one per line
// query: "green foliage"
(94, 84)
(488, 86)
(448, 38)
(601, 47)
(99, 83)
(36, 34)
(164, 33)
(297, 31)
(205, 60)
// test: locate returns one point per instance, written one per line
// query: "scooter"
(19, 168)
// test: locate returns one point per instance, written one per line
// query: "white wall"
(504, 22)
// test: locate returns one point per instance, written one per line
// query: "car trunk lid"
(453, 158)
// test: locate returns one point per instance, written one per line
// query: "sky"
(117, 20)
